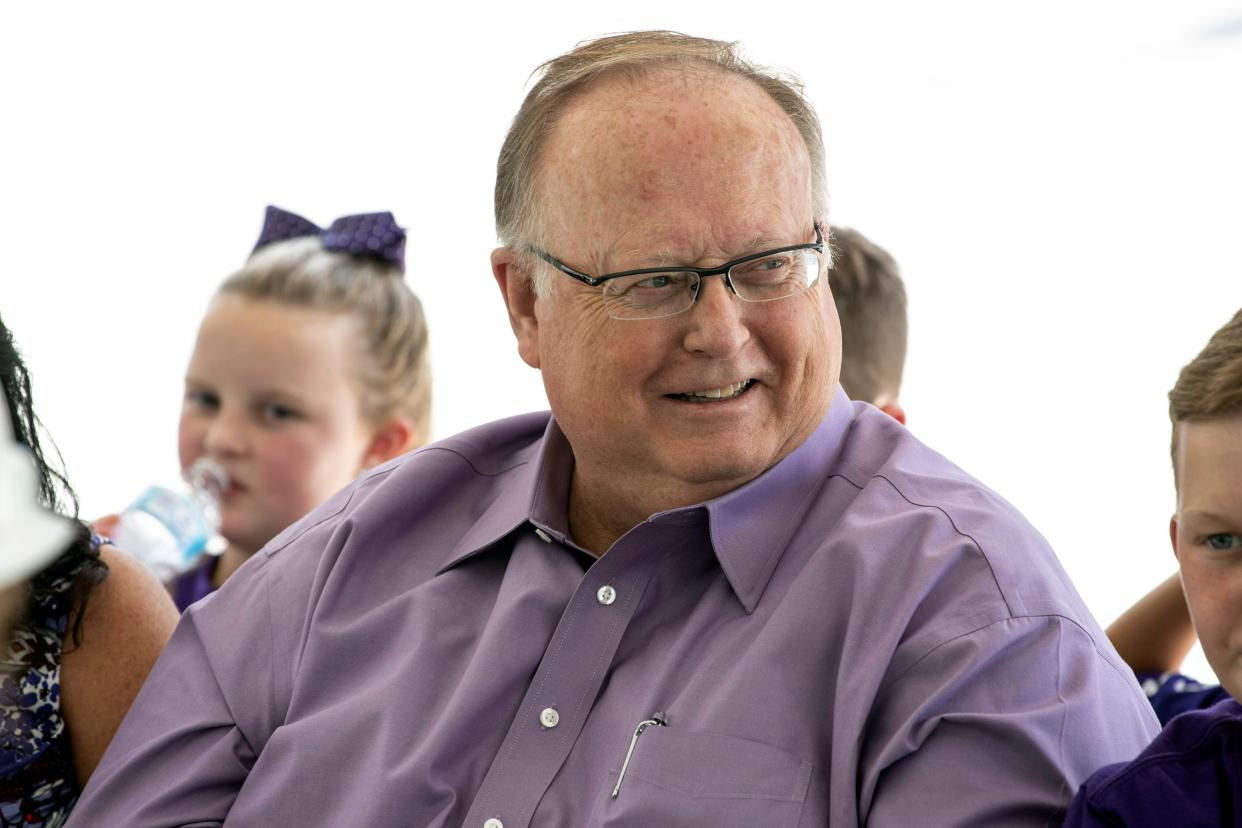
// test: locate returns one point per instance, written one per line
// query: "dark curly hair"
(81, 560)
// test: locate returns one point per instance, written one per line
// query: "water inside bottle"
(208, 480)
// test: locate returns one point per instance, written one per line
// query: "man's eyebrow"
(666, 258)
(763, 241)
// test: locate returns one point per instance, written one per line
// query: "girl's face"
(270, 394)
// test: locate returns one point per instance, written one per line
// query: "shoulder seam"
(988, 561)
(471, 464)
(982, 627)
(1004, 598)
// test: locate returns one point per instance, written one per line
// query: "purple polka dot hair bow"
(375, 235)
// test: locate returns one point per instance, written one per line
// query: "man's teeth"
(719, 393)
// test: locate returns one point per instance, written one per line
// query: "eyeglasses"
(653, 292)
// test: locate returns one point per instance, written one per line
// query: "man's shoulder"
(882, 451)
(883, 457)
(467, 467)
(899, 477)
(404, 515)
(1193, 767)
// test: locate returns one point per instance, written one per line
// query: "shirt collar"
(533, 488)
(752, 525)
(749, 526)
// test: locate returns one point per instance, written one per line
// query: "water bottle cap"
(206, 476)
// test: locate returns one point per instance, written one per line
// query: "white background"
(1061, 182)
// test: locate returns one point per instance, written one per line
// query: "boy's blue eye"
(1224, 541)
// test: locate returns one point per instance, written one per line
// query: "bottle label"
(180, 515)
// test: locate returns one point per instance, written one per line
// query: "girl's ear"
(391, 438)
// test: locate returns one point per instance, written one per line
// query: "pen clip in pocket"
(656, 720)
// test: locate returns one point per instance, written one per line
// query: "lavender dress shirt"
(861, 635)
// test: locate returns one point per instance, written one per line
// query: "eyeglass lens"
(651, 295)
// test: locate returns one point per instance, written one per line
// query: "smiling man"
(706, 590)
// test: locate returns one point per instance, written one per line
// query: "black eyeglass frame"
(703, 272)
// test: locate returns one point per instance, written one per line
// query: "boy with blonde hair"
(1192, 773)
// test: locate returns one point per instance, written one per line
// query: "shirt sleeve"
(999, 726)
(1174, 693)
(195, 729)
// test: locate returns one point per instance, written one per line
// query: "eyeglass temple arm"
(564, 268)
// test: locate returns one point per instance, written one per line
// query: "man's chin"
(719, 473)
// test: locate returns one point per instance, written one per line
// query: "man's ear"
(390, 439)
(1173, 536)
(518, 291)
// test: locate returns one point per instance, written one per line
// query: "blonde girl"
(310, 366)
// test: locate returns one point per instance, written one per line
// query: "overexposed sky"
(1060, 182)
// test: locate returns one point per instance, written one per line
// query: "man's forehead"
(663, 111)
(629, 152)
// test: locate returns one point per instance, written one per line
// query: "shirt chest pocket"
(684, 778)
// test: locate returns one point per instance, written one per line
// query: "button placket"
(532, 752)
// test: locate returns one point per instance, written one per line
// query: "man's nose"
(716, 323)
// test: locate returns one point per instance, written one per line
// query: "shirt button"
(606, 595)
(493, 823)
(549, 717)
(543, 536)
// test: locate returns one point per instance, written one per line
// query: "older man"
(708, 590)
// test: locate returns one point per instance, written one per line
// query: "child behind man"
(1191, 775)
(871, 304)
(310, 366)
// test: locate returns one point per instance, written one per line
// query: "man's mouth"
(711, 395)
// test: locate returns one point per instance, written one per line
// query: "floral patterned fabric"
(38, 786)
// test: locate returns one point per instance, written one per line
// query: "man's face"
(1207, 535)
(679, 171)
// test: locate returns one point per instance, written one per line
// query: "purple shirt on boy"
(862, 634)
(1191, 777)
(1172, 694)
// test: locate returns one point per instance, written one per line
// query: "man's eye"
(1223, 541)
(773, 263)
(764, 270)
(656, 284)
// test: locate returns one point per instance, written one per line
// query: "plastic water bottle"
(168, 529)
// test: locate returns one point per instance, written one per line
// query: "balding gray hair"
(633, 55)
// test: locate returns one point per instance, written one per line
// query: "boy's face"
(1207, 538)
